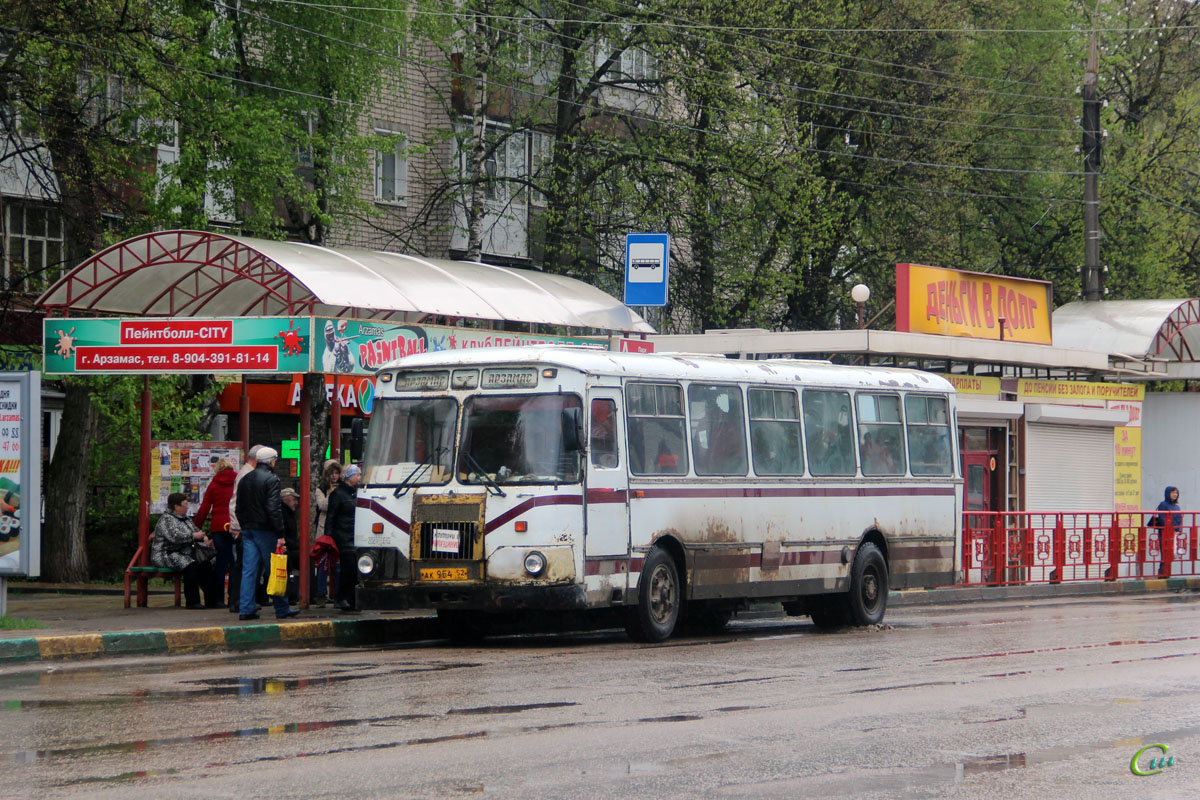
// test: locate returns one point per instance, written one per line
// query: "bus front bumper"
(390, 596)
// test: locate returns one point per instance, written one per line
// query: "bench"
(145, 573)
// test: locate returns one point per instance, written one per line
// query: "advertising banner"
(974, 384)
(20, 473)
(974, 304)
(158, 346)
(360, 347)
(1127, 439)
(186, 467)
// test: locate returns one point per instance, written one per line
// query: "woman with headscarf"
(172, 546)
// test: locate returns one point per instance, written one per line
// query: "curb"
(321, 633)
(978, 594)
(363, 632)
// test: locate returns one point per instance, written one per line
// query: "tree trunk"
(64, 538)
(319, 431)
(479, 178)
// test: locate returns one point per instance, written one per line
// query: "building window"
(33, 246)
(638, 65)
(541, 162)
(391, 168)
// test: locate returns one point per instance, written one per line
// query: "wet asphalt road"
(1014, 700)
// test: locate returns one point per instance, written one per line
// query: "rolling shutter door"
(1068, 468)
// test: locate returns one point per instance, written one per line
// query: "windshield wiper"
(482, 474)
(407, 484)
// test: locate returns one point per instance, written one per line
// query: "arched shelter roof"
(193, 273)
(1165, 330)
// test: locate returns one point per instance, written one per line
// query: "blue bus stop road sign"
(646, 258)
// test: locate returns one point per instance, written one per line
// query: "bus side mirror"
(356, 439)
(572, 429)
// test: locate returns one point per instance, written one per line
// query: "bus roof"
(680, 366)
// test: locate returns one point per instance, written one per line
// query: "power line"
(1150, 195)
(658, 121)
(944, 192)
(686, 28)
(752, 29)
(864, 59)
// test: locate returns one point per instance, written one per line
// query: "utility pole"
(1092, 271)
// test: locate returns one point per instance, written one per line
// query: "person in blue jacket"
(1170, 503)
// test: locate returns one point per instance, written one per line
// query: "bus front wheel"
(868, 586)
(659, 600)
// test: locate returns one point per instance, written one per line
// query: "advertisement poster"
(20, 473)
(187, 467)
(951, 302)
(354, 347)
(1127, 439)
(157, 346)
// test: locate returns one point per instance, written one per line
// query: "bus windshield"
(517, 439)
(411, 441)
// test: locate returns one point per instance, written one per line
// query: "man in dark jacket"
(339, 524)
(260, 515)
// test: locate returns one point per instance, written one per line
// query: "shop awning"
(1165, 331)
(192, 273)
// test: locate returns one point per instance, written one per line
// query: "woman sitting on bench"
(171, 548)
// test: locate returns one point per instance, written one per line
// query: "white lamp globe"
(860, 293)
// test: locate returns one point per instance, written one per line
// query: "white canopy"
(1135, 330)
(192, 273)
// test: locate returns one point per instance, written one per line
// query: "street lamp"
(860, 294)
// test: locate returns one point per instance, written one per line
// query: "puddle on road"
(126, 776)
(141, 745)
(1091, 646)
(506, 709)
(216, 687)
(904, 686)
(930, 781)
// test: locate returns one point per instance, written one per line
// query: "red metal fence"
(1002, 547)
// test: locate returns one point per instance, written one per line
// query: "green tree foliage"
(186, 113)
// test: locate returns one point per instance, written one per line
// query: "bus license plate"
(444, 574)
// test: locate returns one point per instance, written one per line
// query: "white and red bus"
(665, 487)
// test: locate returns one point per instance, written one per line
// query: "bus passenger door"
(607, 486)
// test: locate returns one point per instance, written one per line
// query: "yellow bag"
(277, 585)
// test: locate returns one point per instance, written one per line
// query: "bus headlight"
(368, 561)
(535, 563)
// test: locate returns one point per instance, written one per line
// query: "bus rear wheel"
(659, 600)
(867, 600)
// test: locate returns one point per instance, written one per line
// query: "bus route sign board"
(164, 345)
(646, 261)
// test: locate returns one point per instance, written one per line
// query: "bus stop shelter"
(179, 301)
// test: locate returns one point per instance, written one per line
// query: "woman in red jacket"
(216, 500)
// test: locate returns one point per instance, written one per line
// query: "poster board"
(20, 474)
(186, 467)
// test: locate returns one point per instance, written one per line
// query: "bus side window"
(827, 433)
(775, 432)
(602, 441)
(657, 445)
(718, 429)
(880, 434)
(928, 435)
